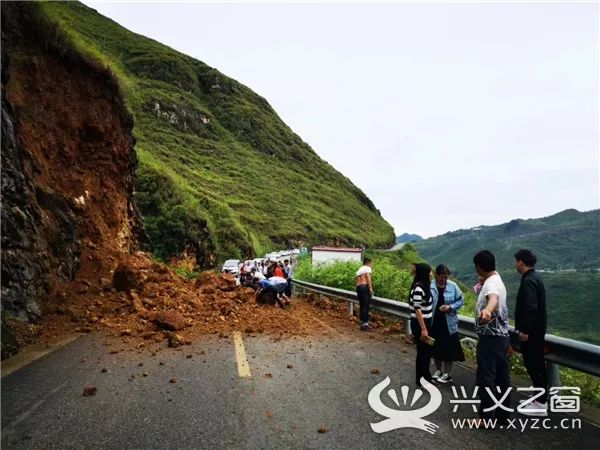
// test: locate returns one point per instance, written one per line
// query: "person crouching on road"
(421, 307)
(530, 323)
(444, 329)
(255, 277)
(277, 286)
(364, 292)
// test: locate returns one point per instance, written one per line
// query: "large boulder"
(127, 278)
(169, 320)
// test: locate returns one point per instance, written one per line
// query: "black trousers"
(533, 357)
(424, 351)
(364, 298)
(288, 290)
(493, 373)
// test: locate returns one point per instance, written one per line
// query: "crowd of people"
(434, 303)
(269, 277)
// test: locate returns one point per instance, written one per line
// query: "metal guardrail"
(577, 355)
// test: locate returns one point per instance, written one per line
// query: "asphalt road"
(211, 406)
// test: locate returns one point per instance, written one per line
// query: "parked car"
(231, 266)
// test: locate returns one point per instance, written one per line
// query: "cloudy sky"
(448, 115)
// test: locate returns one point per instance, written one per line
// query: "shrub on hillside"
(388, 281)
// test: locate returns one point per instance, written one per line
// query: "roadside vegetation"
(392, 279)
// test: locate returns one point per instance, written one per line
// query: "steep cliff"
(68, 166)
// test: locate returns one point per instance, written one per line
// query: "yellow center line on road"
(240, 355)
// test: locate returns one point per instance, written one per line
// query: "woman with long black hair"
(421, 316)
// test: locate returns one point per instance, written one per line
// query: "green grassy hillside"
(568, 248)
(218, 169)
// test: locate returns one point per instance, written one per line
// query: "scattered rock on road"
(89, 390)
(375, 371)
(175, 340)
(170, 320)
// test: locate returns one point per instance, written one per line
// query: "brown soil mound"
(144, 302)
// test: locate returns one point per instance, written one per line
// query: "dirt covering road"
(143, 302)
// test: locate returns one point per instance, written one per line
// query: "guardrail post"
(553, 374)
(407, 329)
(351, 308)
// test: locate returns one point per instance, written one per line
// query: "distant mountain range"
(567, 240)
(407, 237)
(567, 245)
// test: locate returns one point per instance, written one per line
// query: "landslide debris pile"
(144, 301)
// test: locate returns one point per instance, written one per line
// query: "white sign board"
(327, 255)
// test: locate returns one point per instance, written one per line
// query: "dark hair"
(421, 278)
(366, 260)
(286, 260)
(527, 256)
(442, 269)
(485, 260)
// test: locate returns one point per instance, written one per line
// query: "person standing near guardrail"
(364, 292)
(491, 325)
(448, 299)
(530, 323)
(421, 307)
(289, 273)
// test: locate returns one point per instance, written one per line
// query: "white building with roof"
(327, 255)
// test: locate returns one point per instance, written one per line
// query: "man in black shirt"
(530, 322)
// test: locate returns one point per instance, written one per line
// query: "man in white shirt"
(364, 292)
(491, 325)
(257, 274)
(289, 273)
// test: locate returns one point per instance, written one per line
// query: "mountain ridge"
(408, 237)
(220, 174)
(567, 245)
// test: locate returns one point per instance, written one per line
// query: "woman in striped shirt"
(421, 313)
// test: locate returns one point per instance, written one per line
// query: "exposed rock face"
(67, 165)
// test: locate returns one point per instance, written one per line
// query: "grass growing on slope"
(235, 174)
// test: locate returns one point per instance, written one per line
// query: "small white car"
(231, 266)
